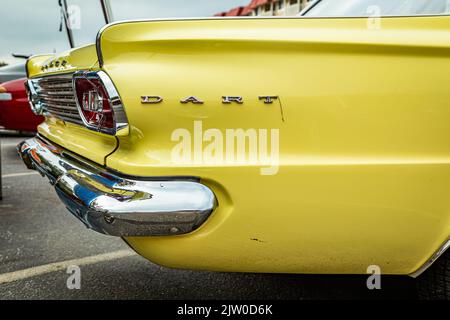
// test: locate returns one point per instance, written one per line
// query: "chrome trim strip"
(120, 117)
(100, 32)
(53, 74)
(433, 258)
(33, 98)
(118, 206)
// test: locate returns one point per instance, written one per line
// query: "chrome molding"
(115, 205)
(433, 258)
(33, 98)
(120, 117)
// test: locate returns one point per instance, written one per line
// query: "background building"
(268, 8)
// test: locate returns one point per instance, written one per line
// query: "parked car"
(15, 112)
(283, 145)
(12, 72)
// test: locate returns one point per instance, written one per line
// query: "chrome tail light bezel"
(119, 116)
(33, 98)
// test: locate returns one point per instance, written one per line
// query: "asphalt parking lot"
(38, 238)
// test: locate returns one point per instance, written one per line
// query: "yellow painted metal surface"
(363, 118)
(83, 58)
(87, 143)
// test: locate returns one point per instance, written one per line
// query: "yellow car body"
(364, 137)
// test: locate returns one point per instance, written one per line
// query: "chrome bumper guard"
(118, 206)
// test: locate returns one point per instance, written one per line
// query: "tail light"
(98, 102)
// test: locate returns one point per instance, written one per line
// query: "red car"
(15, 111)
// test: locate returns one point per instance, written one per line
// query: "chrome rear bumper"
(118, 206)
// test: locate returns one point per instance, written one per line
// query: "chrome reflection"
(113, 205)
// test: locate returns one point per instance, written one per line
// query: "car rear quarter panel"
(363, 114)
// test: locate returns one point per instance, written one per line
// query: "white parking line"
(63, 265)
(12, 175)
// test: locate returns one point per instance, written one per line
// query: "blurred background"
(37, 26)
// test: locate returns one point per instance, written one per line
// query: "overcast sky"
(32, 26)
